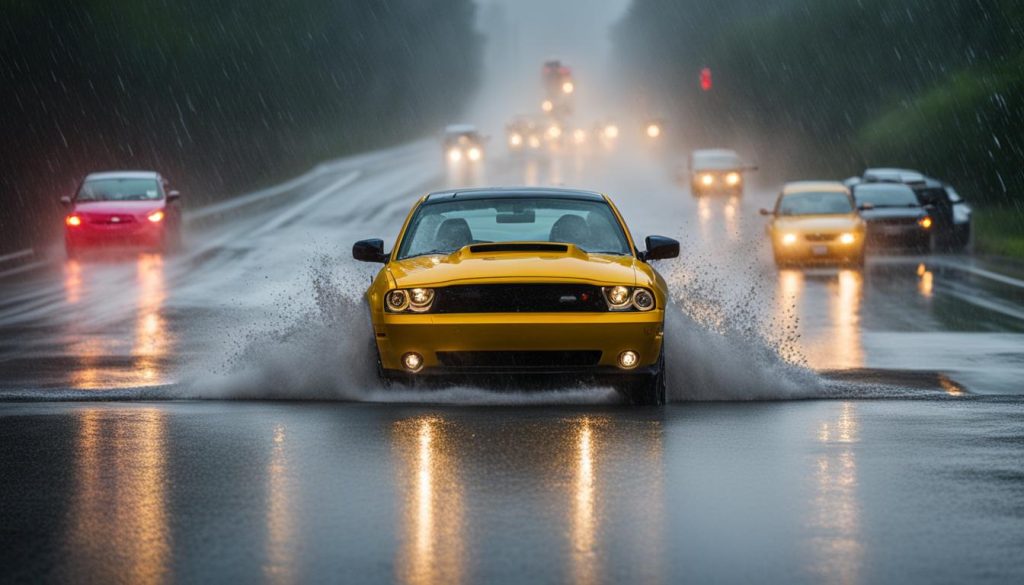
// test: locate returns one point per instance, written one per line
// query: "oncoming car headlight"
(624, 298)
(415, 300)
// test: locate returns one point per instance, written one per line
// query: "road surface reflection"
(118, 520)
(835, 512)
(102, 299)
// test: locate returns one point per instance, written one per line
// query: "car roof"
(514, 193)
(714, 152)
(459, 129)
(814, 187)
(893, 175)
(881, 186)
(123, 175)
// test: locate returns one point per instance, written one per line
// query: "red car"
(123, 209)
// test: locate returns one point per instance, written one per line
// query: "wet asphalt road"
(905, 462)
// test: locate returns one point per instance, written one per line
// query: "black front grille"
(893, 221)
(518, 359)
(519, 298)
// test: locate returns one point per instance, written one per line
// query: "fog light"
(628, 360)
(413, 361)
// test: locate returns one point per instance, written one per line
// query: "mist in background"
(221, 96)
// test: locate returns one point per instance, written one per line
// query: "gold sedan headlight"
(789, 239)
(847, 238)
(707, 179)
(732, 179)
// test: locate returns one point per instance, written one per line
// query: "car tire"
(385, 380)
(649, 389)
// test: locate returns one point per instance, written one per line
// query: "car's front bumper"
(609, 333)
(810, 252)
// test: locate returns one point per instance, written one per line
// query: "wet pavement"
(903, 460)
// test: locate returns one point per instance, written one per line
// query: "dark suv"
(951, 214)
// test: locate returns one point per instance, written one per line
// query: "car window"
(814, 203)
(716, 161)
(444, 227)
(119, 190)
(885, 195)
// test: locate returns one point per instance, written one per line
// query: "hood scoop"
(519, 247)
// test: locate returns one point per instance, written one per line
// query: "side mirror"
(866, 206)
(930, 208)
(764, 211)
(173, 195)
(369, 251)
(65, 201)
(660, 248)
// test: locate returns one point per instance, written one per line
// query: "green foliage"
(999, 232)
(218, 95)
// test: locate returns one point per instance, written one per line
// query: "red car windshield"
(119, 190)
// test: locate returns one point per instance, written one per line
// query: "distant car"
(122, 209)
(816, 222)
(463, 143)
(950, 213)
(520, 282)
(716, 170)
(894, 217)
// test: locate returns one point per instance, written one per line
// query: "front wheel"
(649, 389)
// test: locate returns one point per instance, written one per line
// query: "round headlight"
(847, 238)
(455, 155)
(420, 298)
(707, 179)
(475, 153)
(643, 300)
(618, 296)
(732, 179)
(789, 239)
(397, 300)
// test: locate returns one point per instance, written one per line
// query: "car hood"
(467, 265)
(892, 212)
(819, 223)
(123, 207)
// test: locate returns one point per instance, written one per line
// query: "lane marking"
(25, 268)
(995, 276)
(294, 211)
(16, 255)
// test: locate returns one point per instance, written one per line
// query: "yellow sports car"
(816, 222)
(531, 282)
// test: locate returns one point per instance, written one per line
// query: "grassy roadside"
(999, 232)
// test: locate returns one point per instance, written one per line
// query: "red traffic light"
(705, 79)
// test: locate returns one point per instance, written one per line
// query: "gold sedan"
(816, 222)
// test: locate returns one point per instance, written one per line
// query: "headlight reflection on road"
(835, 519)
(432, 550)
(584, 527)
(151, 341)
(925, 282)
(118, 511)
(280, 565)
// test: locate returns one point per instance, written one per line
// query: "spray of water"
(719, 348)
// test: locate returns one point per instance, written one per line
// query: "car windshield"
(885, 196)
(119, 190)
(716, 161)
(828, 203)
(444, 227)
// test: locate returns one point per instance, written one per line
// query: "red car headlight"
(156, 216)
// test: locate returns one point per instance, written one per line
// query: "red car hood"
(119, 207)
